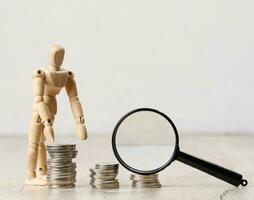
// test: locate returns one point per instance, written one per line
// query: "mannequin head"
(56, 56)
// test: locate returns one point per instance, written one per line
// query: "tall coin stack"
(145, 181)
(62, 171)
(103, 176)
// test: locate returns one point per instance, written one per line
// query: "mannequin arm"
(38, 91)
(40, 106)
(76, 107)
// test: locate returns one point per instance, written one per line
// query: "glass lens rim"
(123, 163)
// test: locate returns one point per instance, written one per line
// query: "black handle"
(212, 169)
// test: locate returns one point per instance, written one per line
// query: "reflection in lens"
(145, 140)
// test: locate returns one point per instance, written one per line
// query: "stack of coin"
(145, 181)
(103, 176)
(62, 171)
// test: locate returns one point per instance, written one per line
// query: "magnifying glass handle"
(212, 169)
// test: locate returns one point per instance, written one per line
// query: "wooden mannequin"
(47, 83)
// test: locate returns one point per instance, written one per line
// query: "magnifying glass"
(145, 141)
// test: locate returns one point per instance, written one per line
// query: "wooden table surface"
(178, 181)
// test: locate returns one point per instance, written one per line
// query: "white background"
(193, 60)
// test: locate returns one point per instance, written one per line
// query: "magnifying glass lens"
(145, 141)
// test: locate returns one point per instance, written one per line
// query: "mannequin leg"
(42, 154)
(35, 132)
(42, 157)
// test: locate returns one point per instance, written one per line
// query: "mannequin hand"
(49, 133)
(81, 132)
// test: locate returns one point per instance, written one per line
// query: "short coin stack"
(103, 176)
(62, 171)
(145, 181)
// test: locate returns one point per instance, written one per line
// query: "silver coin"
(61, 186)
(62, 162)
(143, 179)
(60, 153)
(63, 165)
(100, 171)
(146, 185)
(57, 154)
(106, 165)
(145, 182)
(156, 186)
(114, 186)
(70, 178)
(100, 181)
(105, 186)
(143, 176)
(107, 169)
(103, 172)
(57, 149)
(61, 150)
(61, 181)
(101, 175)
(104, 177)
(61, 176)
(52, 162)
(65, 171)
(69, 173)
(62, 146)
(62, 157)
(60, 168)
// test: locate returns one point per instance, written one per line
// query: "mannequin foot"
(36, 181)
(42, 176)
